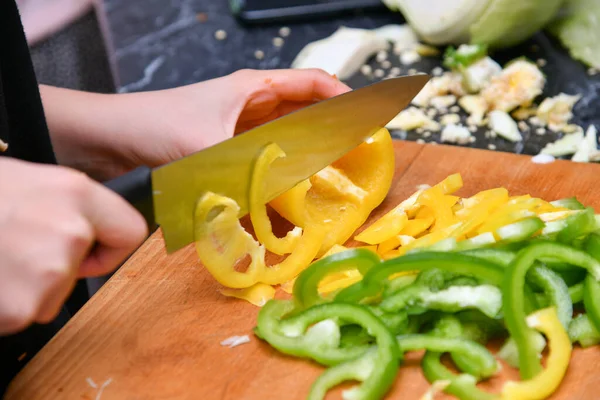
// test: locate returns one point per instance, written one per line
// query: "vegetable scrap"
(234, 341)
(472, 86)
(447, 274)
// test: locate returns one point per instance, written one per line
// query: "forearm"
(91, 131)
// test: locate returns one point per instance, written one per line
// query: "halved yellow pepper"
(546, 382)
(363, 178)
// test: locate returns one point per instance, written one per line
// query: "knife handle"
(136, 187)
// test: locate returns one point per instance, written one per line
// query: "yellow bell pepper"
(384, 228)
(416, 226)
(221, 241)
(258, 213)
(257, 294)
(392, 223)
(340, 198)
(546, 382)
(476, 209)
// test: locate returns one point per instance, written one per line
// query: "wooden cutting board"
(153, 331)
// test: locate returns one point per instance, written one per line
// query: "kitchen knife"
(312, 138)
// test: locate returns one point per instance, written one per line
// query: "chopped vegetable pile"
(505, 104)
(439, 273)
(448, 275)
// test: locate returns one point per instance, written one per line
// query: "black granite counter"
(157, 44)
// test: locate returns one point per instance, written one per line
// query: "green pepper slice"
(462, 386)
(306, 286)
(513, 296)
(376, 371)
(321, 345)
(376, 278)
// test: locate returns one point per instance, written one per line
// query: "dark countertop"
(155, 44)
(158, 44)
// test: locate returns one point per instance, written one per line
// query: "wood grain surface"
(154, 330)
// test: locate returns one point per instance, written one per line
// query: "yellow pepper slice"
(441, 205)
(222, 242)
(546, 382)
(258, 213)
(362, 179)
(451, 184)
(415, 227)
(257, 294)
(384, 228)
(393, 222)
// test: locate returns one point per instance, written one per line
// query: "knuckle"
(55, 274)
(74, 184)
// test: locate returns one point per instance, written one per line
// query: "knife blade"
(312, 138)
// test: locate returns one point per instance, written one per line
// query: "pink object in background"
(43, 18)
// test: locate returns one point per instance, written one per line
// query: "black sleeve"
(23, 126)
(22, 122)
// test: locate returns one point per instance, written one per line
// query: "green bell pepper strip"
(396, 322)
(570, 275)
(478, 360)
(448, 326)
(570, 203)
(462, 386)
(486, 298)
(591, 300)
(385, 362)
(321, 347)
(582, 330)
(576, 293)
(549, 281)
(577, 225)
(306, 286)
(479, 327)
(462, 281)
(501, 257)
(513, 296)
(398, 284)
(354, 370)
(354, 335)
(591, 286)
(520, 230)
(555, 289)
(374, 280)
(509, 352)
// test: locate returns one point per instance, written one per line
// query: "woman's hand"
(107, 135)
(49, 219)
